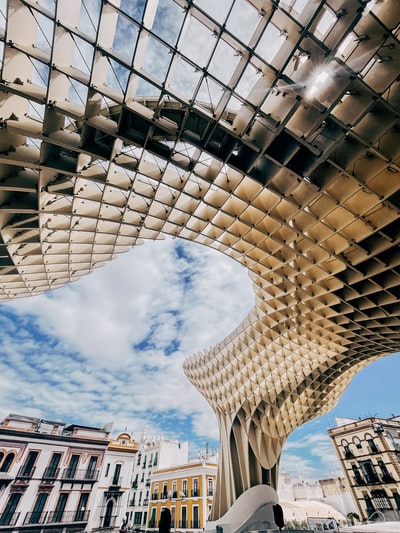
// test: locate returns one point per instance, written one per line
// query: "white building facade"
(153, 454)
(48, 472)
(115, 481)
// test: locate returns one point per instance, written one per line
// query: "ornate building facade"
(369, 454)
(48, 474)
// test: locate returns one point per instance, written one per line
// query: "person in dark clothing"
(164, 525)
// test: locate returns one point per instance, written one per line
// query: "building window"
(184, 488)
(368, 505)
(396, 497)
(359, 480)
(386, 476)
(183, 520)
(91, 471)
(52, 470)
(155, 459)
(72, 466)
(60, 507)
(357, 443)
(210, 490)
(155, 494)
(195, 490)
(369, 471)
(380, 500)
(346, 448)
(80, 514)
(117, 473)
(152, 521)
(372, 445)
(7, 462)
(29, 466)
(195, 520)
(8, 516)
(107, 469)
(174, 490)
(137, 518)
(36, 515)
(165, 491)
(139, 458)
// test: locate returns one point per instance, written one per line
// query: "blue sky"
(110, 347)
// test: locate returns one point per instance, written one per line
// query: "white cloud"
(111, 346)
(310, 456)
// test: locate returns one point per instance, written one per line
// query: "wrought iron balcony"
(51, 473)
(35, 518)
(67, 517)
(8, 519)
(89, 476)
(26, 472)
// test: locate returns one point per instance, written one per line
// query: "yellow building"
(187, 491)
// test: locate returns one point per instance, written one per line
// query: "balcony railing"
(210, 492)
(195, 524)
(35, 518)
(67, 516)
(108, 521)
(8, 519)
(154, 496)
(195, 493)
(51, 473)
(26, 472)
(80, 475)
(372, 478)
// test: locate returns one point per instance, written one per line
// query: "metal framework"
(266, 129)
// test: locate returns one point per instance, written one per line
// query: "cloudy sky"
(110, 347)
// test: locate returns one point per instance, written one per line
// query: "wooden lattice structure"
(267, 130)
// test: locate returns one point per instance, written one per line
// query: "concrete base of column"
(252, 511)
